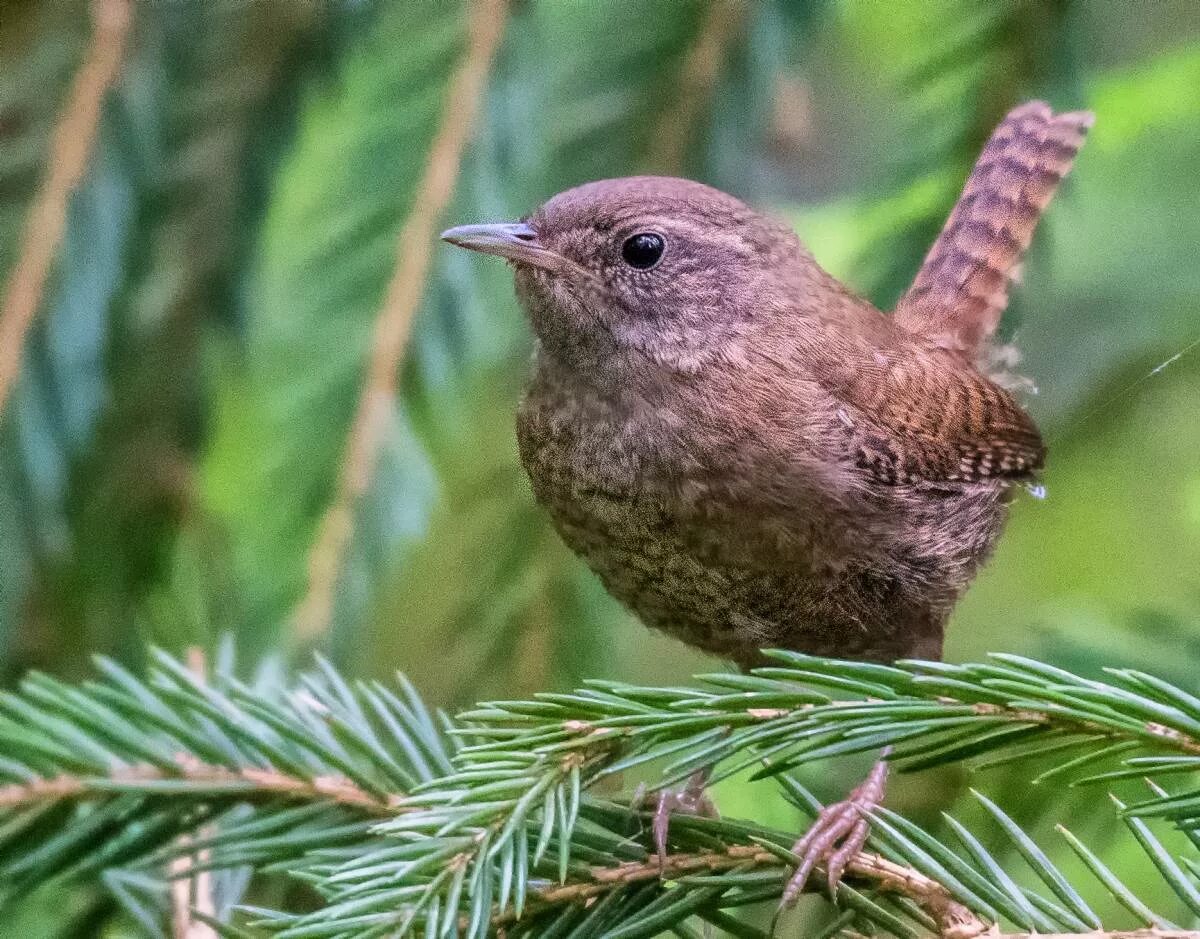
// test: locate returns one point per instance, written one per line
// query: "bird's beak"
(515, 241)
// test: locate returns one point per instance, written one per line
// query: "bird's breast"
(693, 531)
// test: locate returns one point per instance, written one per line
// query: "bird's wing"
(934, 419)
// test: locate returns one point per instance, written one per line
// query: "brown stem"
(70, 150)
(188, 893)
(260, 782)
(1154, 732)
(195, 892)
(1169, 736)
(697, 80)
(392, 327)
(955, 921)
(1118, 934)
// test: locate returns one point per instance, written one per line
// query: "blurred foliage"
(187, 390)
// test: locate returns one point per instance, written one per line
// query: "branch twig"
(697, 79)
(956, 922)
(394, 322)
(245, 783)
(70, 150)
(1119, 934)
(186, 893)
(1154, 733)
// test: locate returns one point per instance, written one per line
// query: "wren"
(747, 454)
(751, 456)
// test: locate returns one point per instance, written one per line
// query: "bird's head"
(655, 267)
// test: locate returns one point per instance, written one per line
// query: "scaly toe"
(841, 856)
(690, 799)
(838, 833)
(834, 823)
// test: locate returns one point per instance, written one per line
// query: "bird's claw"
(689, 799)
(838, 833)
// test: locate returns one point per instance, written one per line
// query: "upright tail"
(962, 286)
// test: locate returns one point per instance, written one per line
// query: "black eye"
(643, 250)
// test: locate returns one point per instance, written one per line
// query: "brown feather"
(928, 419)
(747, 454)
(962, 286)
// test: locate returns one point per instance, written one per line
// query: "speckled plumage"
(747, 454)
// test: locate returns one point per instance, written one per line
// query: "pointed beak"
(515, 241)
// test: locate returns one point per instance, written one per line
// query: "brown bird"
(750, 456)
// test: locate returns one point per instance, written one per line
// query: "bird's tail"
(962, 286)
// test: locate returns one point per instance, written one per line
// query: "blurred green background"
(188, 390)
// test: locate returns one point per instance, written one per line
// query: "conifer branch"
(952, 918)
(544, 751)
(360, 793)
(202, 781)
(1117, 934)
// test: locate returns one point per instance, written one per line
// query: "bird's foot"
(838, 833)
(689, 799)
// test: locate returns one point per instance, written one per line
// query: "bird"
(748, 454)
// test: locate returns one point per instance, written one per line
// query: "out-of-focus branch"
(70, 149)
(697, 80)
(394, 322)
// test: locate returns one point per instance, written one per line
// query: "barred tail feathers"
(962, 286)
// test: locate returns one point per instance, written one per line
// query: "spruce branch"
(951, 917)
(131, 771)
(201, 780)
(909, 885)
(516, 792)
(1117, 934)
(408, 824)
(930, 713)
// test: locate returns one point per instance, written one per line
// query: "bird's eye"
(643, 250)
